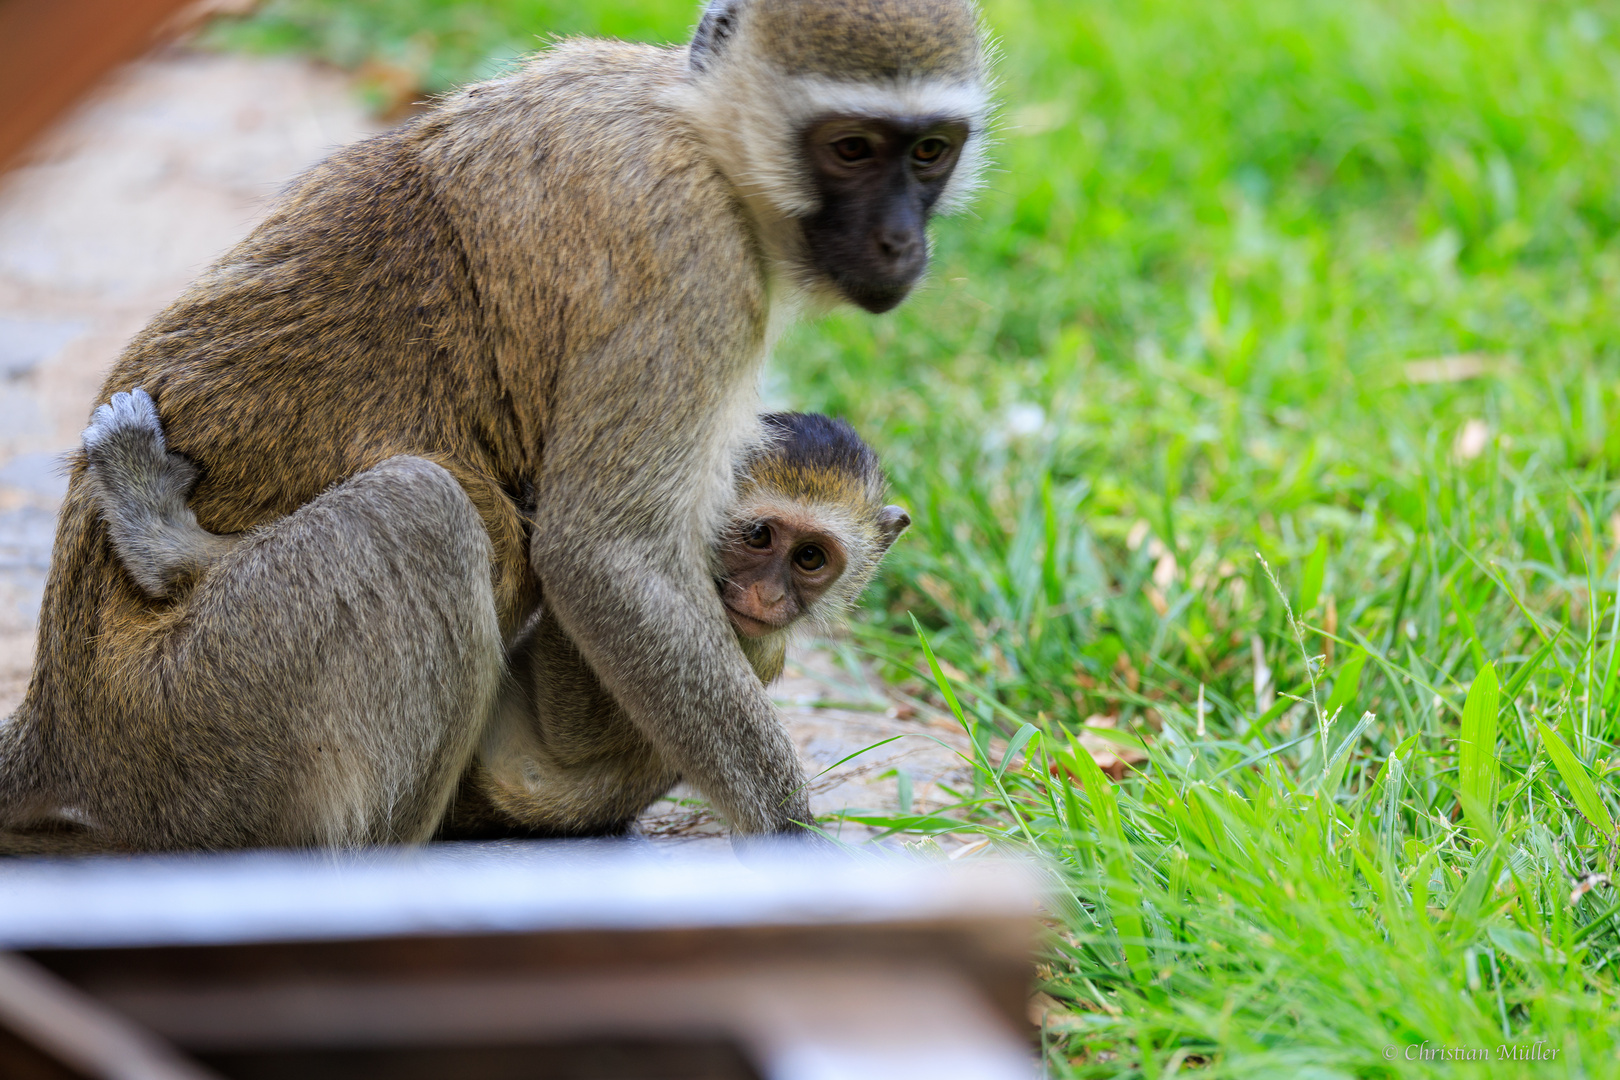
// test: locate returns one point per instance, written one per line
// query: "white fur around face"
(750, 116)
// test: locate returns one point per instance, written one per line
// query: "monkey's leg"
(559, 757)
(325, 683)
(534, 797)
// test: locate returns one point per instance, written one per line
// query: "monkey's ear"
(892, 521)
(719, 22)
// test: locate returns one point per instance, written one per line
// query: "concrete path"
(124, 204)
(120, 207)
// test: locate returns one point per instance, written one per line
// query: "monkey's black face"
(878, 180)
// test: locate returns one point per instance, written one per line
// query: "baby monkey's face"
(776, 567)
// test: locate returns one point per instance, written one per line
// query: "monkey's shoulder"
(575, 81)
(585, 121)
(547, 168)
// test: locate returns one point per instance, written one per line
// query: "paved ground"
(120, 208)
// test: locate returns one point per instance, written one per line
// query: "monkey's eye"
(760, 538)
(929, 150)
(810, 558)
(853, 148)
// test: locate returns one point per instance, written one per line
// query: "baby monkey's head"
(808, 528)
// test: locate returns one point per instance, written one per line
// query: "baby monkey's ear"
(892, 521)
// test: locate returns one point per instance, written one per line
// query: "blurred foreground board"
(515, 960)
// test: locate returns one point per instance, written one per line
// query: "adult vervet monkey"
(803, 536)
(564, 279)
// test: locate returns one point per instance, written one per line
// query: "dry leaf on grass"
(963, 852)
(1113, 758)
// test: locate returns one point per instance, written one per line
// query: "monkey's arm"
(637, 471)
(141, 488)
(660, 646)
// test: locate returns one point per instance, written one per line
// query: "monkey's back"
(417, 293)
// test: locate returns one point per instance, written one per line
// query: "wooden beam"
(54, 1025)
(917, 1021)
(467, 958)
(53, 51)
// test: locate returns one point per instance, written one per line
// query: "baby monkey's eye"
(810, 557)
(929, 150)
(853, 148)
(759, 538)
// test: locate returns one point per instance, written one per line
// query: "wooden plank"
(53, 51)
(56, 1024)
(793, 1019)
(248, 897)
(641, 1059)
(993, 954)
(808, 967)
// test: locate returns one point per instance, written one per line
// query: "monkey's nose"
(899, 245)
(769, 596)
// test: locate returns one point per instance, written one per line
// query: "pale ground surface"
(119, 209)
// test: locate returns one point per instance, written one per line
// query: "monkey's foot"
(130, 462)
(129, 421)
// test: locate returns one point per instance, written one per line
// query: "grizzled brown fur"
(506, 352)
(901, 39)
(449, 291)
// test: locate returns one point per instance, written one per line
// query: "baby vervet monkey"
(803, 537)
(805, 533)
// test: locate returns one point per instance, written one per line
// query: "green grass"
(1185, 329)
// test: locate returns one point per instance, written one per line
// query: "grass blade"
(1332, 768)
(1614, 655)
(1476, 750)
(1051, 579)
(1123, 901)
(1015, 744)
(1345, 684)
(1578, 780)
(1310, 583)
(940, 680)
(1529, 667)
(1467, 626)
(1597, 923)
